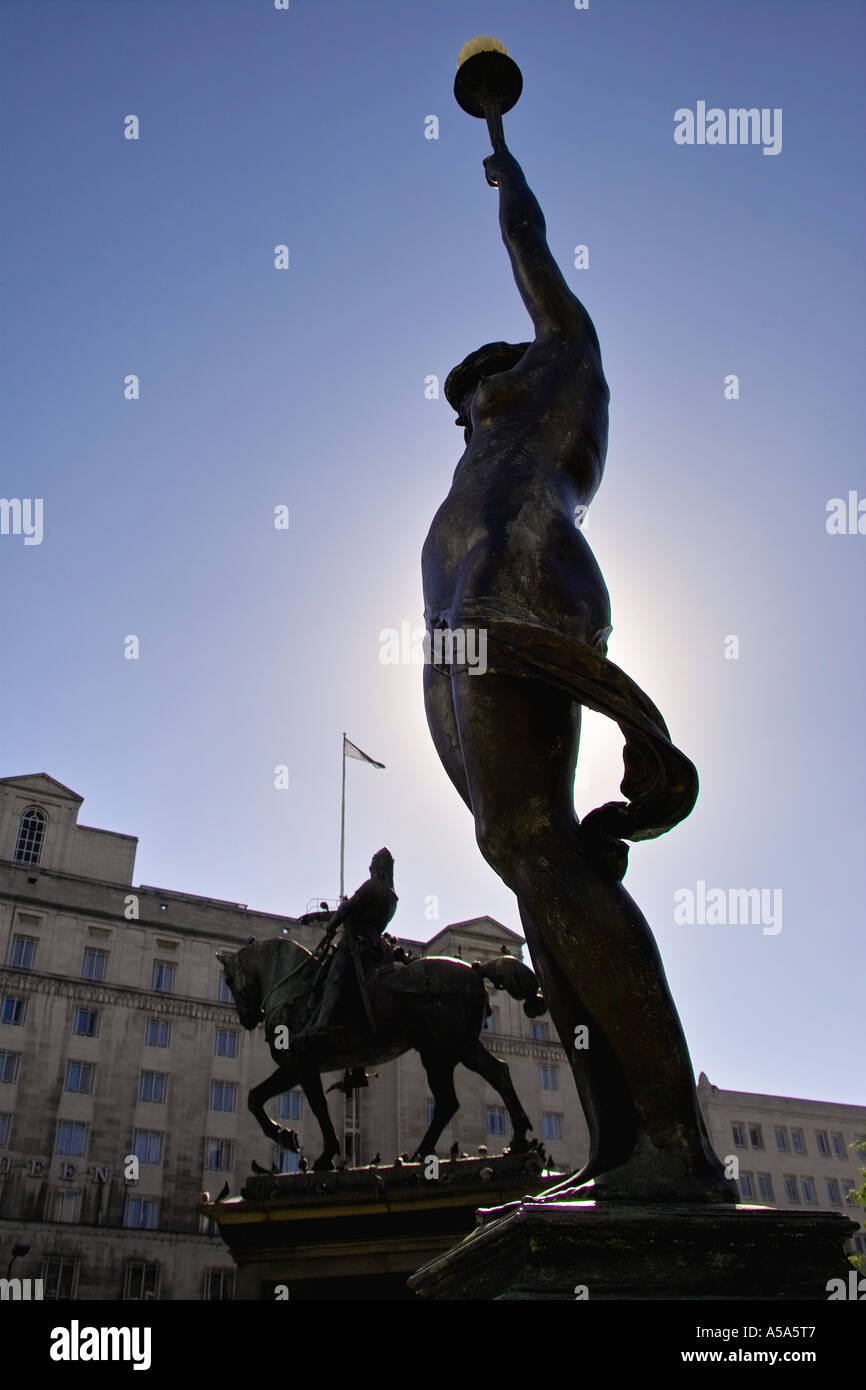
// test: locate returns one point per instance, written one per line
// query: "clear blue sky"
(305, 388)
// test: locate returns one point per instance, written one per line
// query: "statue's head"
(244, 984)
(382, 864)
(462, 382)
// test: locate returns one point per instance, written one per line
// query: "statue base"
(605, 1251)
(359, 1233)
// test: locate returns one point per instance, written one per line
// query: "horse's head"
(242, 977)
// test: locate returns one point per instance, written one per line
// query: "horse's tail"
(508, 973)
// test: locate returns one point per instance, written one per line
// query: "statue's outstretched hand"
(499, 166)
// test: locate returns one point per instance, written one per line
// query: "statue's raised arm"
(551, 305)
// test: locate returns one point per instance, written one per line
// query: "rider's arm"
(552, 306)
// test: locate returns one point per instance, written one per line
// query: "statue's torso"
(506, 536)
(372, 910)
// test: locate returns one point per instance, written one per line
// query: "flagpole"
(343, 825)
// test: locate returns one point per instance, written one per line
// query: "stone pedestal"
(605, 1251)
(360, 1233)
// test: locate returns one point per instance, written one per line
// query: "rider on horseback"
(363, 918)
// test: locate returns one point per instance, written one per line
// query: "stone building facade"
(124, 1070)
(798, 1155)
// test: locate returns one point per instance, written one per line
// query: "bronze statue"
(363, 918)
(431, 1003)
(505, 555)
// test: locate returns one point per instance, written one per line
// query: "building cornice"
(161, 924)
(89, 992)
(549, 1051)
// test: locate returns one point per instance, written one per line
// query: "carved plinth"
(608, 1251)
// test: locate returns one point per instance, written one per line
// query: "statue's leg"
(590, 944)
(442, 723)
(440, 1074)
(332, 994)
(311, 1084)
(605, 1101)
(283, 1079)
(604, 1098)
(496, 1073)
(604, 1095)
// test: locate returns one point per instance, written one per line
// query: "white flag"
(351, 751)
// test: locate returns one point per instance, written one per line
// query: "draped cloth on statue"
(660, 782)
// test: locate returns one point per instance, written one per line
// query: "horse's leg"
(476, 1057)
(440, 1074)
(283, 1079)
(311, 1083)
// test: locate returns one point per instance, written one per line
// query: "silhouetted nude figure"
(504, 554)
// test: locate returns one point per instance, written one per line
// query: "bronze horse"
(433, 1004)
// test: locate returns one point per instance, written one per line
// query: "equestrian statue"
(364, 1000)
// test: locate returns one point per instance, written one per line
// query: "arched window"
(31, 833)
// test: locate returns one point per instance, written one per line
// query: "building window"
(140, 1281)
(226, 1042)
(31, 833)
(782, 1140)
(834, 1196)
(71, 1139)
(59, 1277)
(9, 1067)
(157, 1033)
(808, 1189)
(95, 964)
(5, 1130)
(837, 1144)
(495, 1119)
(798, 1143)
(62, 1205)
(850, 1192)
(79, 1077)
(756, 1139)
(224, 994)
(223, 1095)
(491, 1022)
(12, 1009)
(285, 1161)
(152, 1086)
(739, 1132)
(291, 1105)
(163, 976)
(539, 1032)
(218, 1155)
(765, 1187)
(823, 1142)
(747, 1186)
(22, 952)
(549, 1078)
(552, 1125)
(219, 1284)
(352, 1128)
(792, 1192)
(147, 1146)
(85, 1023)
(141, 1213)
